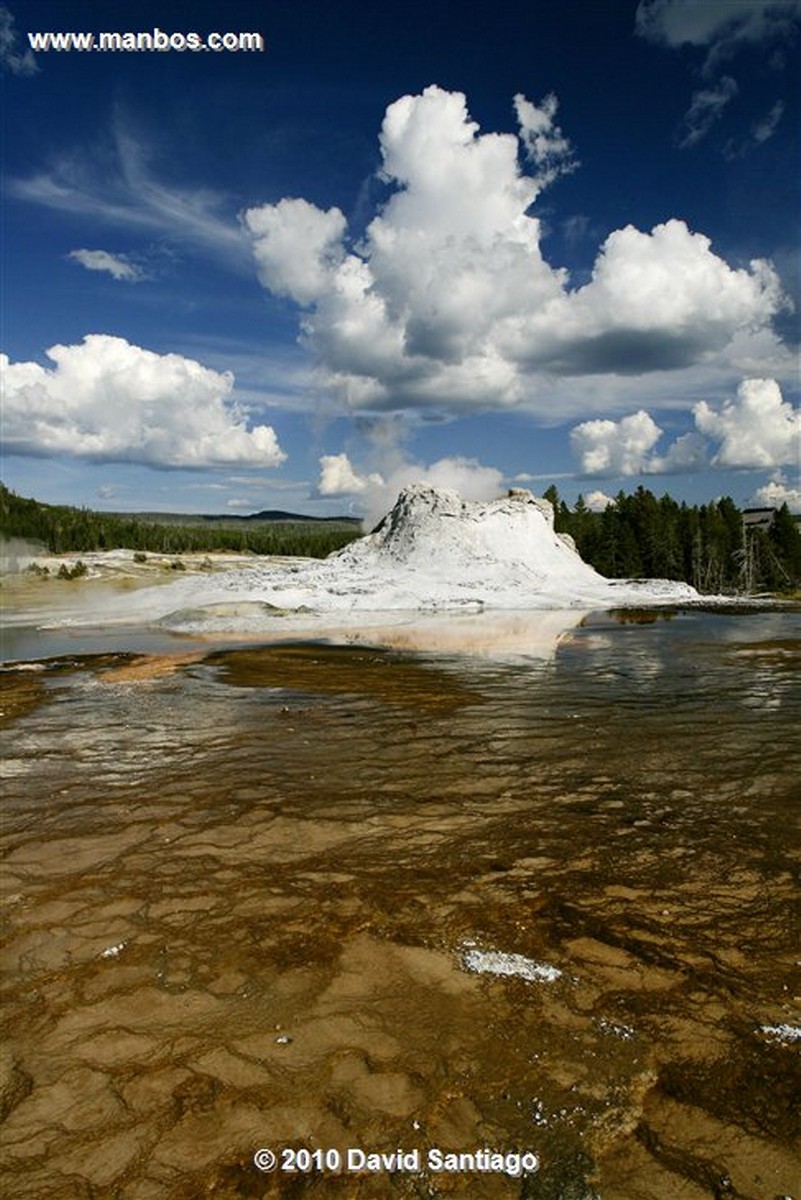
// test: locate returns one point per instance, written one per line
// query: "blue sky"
(484, 245)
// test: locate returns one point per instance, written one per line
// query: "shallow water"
(298, 895)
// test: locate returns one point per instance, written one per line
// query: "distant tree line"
(59, 528)
(639, 536)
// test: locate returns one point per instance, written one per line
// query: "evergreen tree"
(785, 539)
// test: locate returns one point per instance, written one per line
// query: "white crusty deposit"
(432, 553)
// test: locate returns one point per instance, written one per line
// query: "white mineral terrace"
(434, 553)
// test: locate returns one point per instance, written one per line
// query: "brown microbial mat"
(342, 899)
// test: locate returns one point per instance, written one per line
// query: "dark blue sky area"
(128, 177)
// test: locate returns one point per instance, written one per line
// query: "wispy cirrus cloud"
(120, 189)
(118, 266)
(720, 26)
(761, 131)
(11, 59)
(705, 109)
(722, 29)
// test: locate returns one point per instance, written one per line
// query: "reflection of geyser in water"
(498, 633)
(507, 633)
(534, 635)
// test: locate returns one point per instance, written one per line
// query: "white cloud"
(657, 301)
(470, 478)
(763, 130)
(295, 246)
(546, 146)
(338, 478)
(705, 109)
(10, 58)
(109, 401)
(756, 429)
(598, 501)
(375, 493)
(577, 229)
(721, 24)
(687, 453)
(447, 304)
(777, 492)
(612, 448)
(116, 265)
(722, 28)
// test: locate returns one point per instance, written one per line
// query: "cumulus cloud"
(598, 501)
(109, 401)
(614, 448)
(338, 478)
(376, 493)
(295, 246)
(705, 109)
(610, 449)
(687, 453)
(777, 492)
(757, 428)
(447, 303)
(116, 265)
(656, 301)
(10, 57)
(546, 146)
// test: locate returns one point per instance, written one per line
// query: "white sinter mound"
(434, 552)
(435, 532)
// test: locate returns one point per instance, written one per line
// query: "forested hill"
(707, 545)
(59, 528)
(638, 536)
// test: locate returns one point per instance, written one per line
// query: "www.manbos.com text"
(156, 39)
